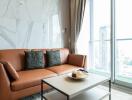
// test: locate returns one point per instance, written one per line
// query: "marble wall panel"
(31, 23)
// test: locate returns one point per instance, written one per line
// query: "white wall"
(34, 23)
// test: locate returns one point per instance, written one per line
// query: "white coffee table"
(72, 88)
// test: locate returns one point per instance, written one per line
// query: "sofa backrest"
(17, 56)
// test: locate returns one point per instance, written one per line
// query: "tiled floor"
(119, 95)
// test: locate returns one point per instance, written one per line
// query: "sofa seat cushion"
(30, 78)
(62, 69)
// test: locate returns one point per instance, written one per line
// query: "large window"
(108, 48)
(123, 32)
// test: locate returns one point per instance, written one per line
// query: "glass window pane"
(99, 45)
(101, 56)
(123, 31)
(124, 59)
(123, 18)
(101, 19)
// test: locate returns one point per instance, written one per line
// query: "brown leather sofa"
(29, 80)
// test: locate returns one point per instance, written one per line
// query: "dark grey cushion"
(34, 59)
(53, 58)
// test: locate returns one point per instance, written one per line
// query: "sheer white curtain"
(53, 33)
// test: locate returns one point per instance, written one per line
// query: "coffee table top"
(72, 87)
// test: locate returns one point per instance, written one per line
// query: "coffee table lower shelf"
(96, 93)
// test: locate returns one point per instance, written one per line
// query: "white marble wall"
(33, 23)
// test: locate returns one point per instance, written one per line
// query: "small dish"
(85, 75)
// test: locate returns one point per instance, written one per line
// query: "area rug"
(33, 97)
(53, 95)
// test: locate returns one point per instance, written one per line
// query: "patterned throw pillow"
(34, 59)
(53, 58)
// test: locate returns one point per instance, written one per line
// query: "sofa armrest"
(5, 90)
(77, 60)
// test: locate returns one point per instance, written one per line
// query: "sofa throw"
(34, 59)
(53, 58)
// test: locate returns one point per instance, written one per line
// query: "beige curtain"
(77, 14)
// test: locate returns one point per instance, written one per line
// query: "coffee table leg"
(110, 89)
(41, 90)
(68, 98)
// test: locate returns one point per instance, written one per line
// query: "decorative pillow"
(53, 58)
(10, 69)
(34, 59)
